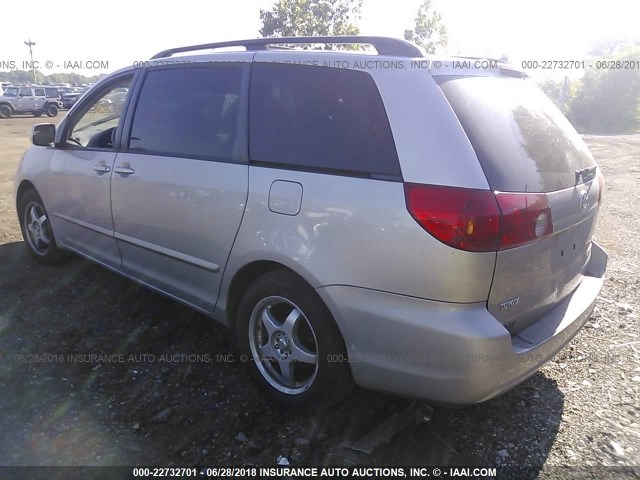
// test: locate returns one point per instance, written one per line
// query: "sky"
(123, 32)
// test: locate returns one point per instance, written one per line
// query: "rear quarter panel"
(357, 232)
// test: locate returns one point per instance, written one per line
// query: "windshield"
(10, 92)
(523, 142)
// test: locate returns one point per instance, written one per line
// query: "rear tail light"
(479, 220)
(460, 217)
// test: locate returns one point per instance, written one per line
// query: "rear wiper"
(587, 174)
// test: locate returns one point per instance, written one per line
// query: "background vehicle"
(29, 100)
(114, 101)
(70, 98)
(358, 224)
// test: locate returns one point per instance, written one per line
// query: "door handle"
(102, 168)
(124, 170)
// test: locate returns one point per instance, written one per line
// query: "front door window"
(96, 126)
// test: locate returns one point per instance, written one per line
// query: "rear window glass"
(320, 118)
(523, 142)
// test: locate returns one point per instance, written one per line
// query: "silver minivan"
(411, 224)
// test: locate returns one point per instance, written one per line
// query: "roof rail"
(383, 45)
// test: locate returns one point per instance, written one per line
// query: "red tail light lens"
(463, 218)
(479, 220)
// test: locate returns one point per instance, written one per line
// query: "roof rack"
(384, 45)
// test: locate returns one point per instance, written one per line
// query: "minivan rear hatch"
(525, 145)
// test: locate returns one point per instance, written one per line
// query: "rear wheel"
(36, 229)
(51, 110)
(5, 111)
(293, 346)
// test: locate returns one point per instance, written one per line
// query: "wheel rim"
(283, 345)
(37, 228)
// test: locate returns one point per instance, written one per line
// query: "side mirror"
(43, 134)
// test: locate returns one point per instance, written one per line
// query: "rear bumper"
(451, 353)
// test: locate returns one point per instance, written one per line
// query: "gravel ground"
(165, 387)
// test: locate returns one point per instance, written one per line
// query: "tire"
(292, 360)
(51, 110)
(5, 111)
(38, 113)
(36, 229)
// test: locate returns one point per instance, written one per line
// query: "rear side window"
(39, 92)
(523, 142)
(319, 118)
(188, 112)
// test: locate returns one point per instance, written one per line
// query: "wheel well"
(24, 186)
(8, 105)
(244, 277)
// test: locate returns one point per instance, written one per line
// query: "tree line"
(605, 100)
(295, 18)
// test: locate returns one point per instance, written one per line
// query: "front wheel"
(293, 346)
(36, 229)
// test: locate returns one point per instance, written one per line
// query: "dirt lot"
(198, 407)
